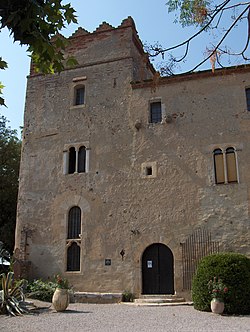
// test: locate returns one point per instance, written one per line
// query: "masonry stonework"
(123, 209)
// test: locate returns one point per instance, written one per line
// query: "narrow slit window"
(73, 257)
(149, 171)
(231, 165)
(82, 160)
(219, 166)
(74, 223)
(155, 112)
(248, 98)
(72, 160)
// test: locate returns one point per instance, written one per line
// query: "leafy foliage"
(190, 11)
(10, 149)
(217, 289)
(128, 296)
(234, 270)
(3, 65)
(37, 23)
(61, 282)
(41, 290)
(11, 297)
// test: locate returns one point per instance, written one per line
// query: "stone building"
(127, 179)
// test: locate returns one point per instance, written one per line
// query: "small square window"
(149, 171)
(155, 112)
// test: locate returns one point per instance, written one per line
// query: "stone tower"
(124, 172)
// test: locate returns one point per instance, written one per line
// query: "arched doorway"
(157, 270)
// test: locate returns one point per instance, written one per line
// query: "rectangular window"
(155, 112)
(248, 98)
(79, 96)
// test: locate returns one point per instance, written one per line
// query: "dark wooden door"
(157, 270)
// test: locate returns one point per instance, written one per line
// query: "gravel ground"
(121, 318)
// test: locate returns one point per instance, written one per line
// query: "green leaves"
(11, 297)
(35, 23)
(190, 12)
(10, 150)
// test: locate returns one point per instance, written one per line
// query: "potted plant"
(217, 290)
(60, 299)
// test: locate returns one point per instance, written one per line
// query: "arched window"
(231, 165)
(79, 95)
(82, 159)
(74, 239)
(219, 166)
(73, 257)
(72, 160)
(74, 223)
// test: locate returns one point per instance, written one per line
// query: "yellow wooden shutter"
(231, 167)
(219, 168)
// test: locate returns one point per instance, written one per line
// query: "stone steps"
(155, 300)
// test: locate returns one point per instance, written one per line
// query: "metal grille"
(155, 112)
(197, 246)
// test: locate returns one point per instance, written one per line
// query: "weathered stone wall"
(122, 209)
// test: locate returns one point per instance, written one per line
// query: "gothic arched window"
(74, 239)
(73, 257)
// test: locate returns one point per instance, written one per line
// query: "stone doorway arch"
(157, 270)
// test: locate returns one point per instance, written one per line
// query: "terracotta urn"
(60, 299)
(217, 306)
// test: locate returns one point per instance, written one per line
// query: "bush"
(127, 296)
(234, 270)
(41, 290)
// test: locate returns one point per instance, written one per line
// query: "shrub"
(41, 290)
(127, 296)
(234, 270)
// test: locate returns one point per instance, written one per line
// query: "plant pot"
(60, 299)
(217, 306)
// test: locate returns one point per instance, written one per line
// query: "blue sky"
(153, 24)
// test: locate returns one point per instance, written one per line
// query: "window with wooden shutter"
(219, 166)
(231, 165)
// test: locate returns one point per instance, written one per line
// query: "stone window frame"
(223, 165)
(77, 82)
(77, 147)
(149, 165)
(70, 242)
(163, 110)
(66, 204)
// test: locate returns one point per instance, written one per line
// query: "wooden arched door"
(157, 270)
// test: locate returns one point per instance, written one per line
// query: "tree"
(10, 150)
(37, 23)
(207, 16)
